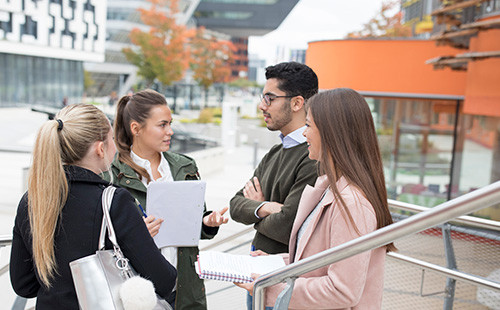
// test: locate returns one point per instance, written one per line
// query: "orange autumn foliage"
(162, 51)
(210, 59)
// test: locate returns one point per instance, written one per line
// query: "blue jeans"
(250, 303)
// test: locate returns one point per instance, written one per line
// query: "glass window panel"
(29, 79)
(39, 89)
(416, 140)
(3, 74)
(266, 2)
(223, 15)
(11, 71)
(22, 79)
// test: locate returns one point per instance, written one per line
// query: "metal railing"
(458, 235)
(19, 302)
(464, 219)
(452, 209)
(5, 240)
(228, 238)
(457, 275)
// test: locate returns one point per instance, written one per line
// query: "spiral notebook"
(220, 266)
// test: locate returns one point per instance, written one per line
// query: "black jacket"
(77, 235)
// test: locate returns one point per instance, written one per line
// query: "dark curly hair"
(294, 79)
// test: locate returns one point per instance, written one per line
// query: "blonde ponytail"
(62, 141)
(47, 193)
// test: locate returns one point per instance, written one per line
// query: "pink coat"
(353, 283)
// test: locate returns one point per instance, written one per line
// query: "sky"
(313, 20)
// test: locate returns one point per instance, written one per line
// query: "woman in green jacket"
(142, 137)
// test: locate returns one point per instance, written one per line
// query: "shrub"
(206, 116)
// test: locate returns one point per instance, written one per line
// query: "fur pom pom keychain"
(138, 294)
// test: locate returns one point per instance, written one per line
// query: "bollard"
(26, 172)
(255, 148)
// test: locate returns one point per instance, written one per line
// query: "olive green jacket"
(190, 288)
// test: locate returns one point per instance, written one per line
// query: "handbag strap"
(107, 198)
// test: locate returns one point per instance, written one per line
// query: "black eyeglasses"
(267, 98)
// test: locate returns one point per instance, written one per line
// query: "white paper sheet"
(180, 205)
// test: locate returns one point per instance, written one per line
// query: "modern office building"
(298, 55)
(241, 19)
(43, 45)
(284, 53)
(256, 69)
(436, 103)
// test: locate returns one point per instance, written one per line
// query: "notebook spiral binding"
(229, 277)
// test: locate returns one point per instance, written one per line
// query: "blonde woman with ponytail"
(58, 220)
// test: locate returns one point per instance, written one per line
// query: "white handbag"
(99, 277)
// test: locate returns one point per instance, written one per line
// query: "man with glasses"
(269, 200)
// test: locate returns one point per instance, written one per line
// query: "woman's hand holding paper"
(216, 218)
(258, 253)
(153, 224)
(248, 286)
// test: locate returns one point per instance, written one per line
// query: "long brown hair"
(62, 141)
(136, 107)
(349, 148)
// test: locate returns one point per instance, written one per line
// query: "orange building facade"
(396, 66)
(482, 89)
(438, 129)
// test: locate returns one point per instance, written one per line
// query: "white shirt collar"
(294, 138)
(163, 168)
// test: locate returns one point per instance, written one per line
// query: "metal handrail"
(228, 238)
(5, 240)
(449, 273)
(465, 219)
(16, 149)
(459, 206)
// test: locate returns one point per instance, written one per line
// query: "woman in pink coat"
(348, 200)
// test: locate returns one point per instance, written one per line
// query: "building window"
(265, 2)
(27, 80)
(223, 15)
(6, 26)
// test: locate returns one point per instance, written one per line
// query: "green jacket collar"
(182, 167)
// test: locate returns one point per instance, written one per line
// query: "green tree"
(210, 59)
(160, 53)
